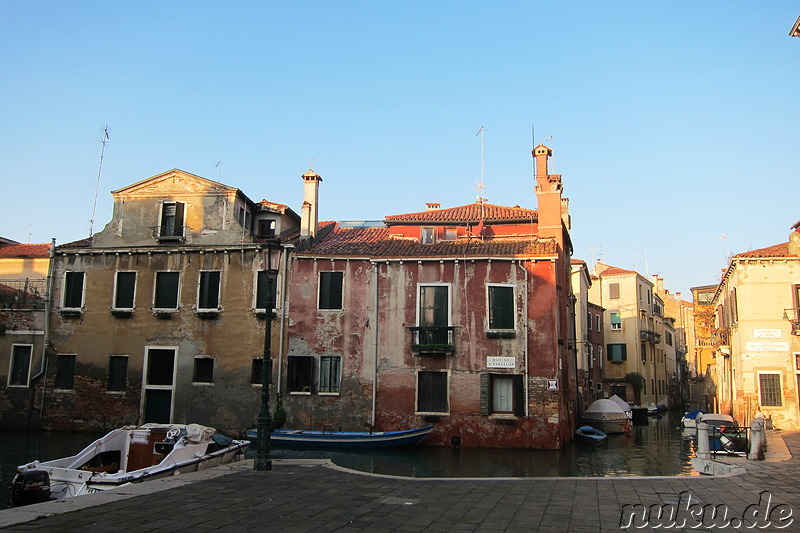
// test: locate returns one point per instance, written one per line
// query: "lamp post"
(263, 460)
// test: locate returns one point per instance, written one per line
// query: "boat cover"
(622, 403)
(605, 410)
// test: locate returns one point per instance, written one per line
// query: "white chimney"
(310, 213)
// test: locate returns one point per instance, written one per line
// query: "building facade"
(461, 318)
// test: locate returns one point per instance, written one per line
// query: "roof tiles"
(466, 213)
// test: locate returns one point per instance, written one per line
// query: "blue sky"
(674, 124)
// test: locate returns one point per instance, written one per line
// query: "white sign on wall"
(766, 346)
(767, 334)
(501, 362)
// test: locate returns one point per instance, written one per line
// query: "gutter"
(48, 307)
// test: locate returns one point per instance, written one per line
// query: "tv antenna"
(218, 166)
(480, 187)
(103, 140)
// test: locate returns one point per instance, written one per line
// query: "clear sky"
(674, 124)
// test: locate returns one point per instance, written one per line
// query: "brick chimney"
(548, 188)
(309, 218)
(433, 206)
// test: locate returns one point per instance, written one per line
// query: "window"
(770, 386)
(427, 235)
(502, 394)
(433, 306)
(300, 374)
(65, 371)
(166, 294)
(73, 290)
(330, 369)
(19, 371)
(597, 322)
(432, 392)
(330, 290)
(450, 234)
(643, 349)
(616, 321)
(501, 307)
(203, 370)
(266, 228)
(589, 321)
(117, 373)
(705, 298)
(613, 291)
(266, 289)
(590, 350)
(171, 220)
(208, 294)
(668, 338)
(124, 290)
(617, 353)
(619, 390)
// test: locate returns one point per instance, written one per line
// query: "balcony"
(652, 337)
(721, 336)
(169, 233)
(432, 340)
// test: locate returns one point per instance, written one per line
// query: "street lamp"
(267, 291)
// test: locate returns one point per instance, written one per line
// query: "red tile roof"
(378, 242)
(466, 213)
(778, 250)
(24, 250)
(615, 271)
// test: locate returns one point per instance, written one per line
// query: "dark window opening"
(65, 371)
(20, 364)
(73, 289)
(160, 366)
(501, 307)
(125, 290)
(257, 372)
(300, 374)
(203, 370)
(172, 219)
(432, 392)
(330, 290)
(117, 373)
(208, 297)
(266, 289)
(166, 290)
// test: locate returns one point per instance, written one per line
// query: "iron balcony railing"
(23, 293)
(432, 339)
(169, 233)
(652, 337)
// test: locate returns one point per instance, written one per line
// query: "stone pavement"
(300, 496)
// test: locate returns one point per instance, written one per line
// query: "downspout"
(48, 306)
(284, 299)
(375, 322)
(525, 344)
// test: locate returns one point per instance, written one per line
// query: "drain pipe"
(48, 306)
(284, 298)
(525, 344)
(375, 326)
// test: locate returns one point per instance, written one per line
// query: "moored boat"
(607, 416)
(344, 439)
(689, 420)
(590, 435)
(127, 455)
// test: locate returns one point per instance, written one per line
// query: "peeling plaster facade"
(195, 244)
(460, 318)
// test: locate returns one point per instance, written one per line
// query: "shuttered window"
(117, 373)
(501, 307)
(330, 290)
(73, 290)
(125, 290)
(617, 352)
(166, 296)
(432, 392)
(65, 371)
(502, 394)
(208, 295)
(613, 291)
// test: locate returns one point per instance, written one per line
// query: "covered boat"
(689, 420)
(625, 406)
(127, 455)
(607, 416)
(590, 435)
(344, 439)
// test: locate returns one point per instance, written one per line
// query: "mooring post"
(756, 440)
(703, 446)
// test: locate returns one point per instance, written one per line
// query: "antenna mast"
(103, 140)
(480, 188)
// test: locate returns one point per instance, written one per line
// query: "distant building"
(459, 317)
(757, 310)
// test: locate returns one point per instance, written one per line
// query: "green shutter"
(519, 395)
(485, 394)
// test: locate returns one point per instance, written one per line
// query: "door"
(159, 380)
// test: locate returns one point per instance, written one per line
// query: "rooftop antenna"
(480, 186)
(218, 166)
(103, 140)
(599, 254)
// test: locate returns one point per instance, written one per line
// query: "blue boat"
(299, 438)
(590, 435)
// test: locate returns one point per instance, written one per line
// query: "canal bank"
(319, 496)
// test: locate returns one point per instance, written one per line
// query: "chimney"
(309, 213)
(548, 193)
(433, 206)
(794, 242)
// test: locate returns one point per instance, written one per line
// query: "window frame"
(271, 277)
(205, 292)
(326, 287)
(614, 291)
(178, 230)
(11, 365)
(623, 352)
(430, 402)
(296, 384)
(328, 386)
(206, 359)
(615, 326)
(68, 290)
(157, 275)
(123, 379)
(115, 297)
(778, 391)
(427, 235)
(65, 382)
(491, 300)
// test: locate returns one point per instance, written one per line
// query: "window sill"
(329, 393)
(64, 391)
(70, 313)
(115, 392)
(501, 334)
(203, 383)
(432, 417)
(263, 314)
(504, 418)
(18, 386)
(165, 314)
(207, 313)
(122, 313)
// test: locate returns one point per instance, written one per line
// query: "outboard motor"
(30, 486)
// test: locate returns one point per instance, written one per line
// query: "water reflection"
(658, 449)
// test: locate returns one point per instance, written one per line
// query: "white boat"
(607, 416)
(689, 420)
(127, 455)
(625, 406)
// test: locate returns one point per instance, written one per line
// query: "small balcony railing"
(652, 337)
(169, 233)
(432, 339)
(721, 336)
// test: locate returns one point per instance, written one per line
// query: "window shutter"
(485, 394)
(613, 291)
(178, 218)
(519, 395)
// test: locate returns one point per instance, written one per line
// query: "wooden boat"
(344, 439)
(127, 455)
(590, 435)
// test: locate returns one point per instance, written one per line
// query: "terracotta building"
(458, 317)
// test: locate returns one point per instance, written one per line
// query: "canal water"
(658, 449)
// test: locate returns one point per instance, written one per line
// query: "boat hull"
(611, 425)
(341, 439)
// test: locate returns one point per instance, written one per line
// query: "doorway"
(159, 384)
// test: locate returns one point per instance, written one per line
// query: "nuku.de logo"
(685, 514)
